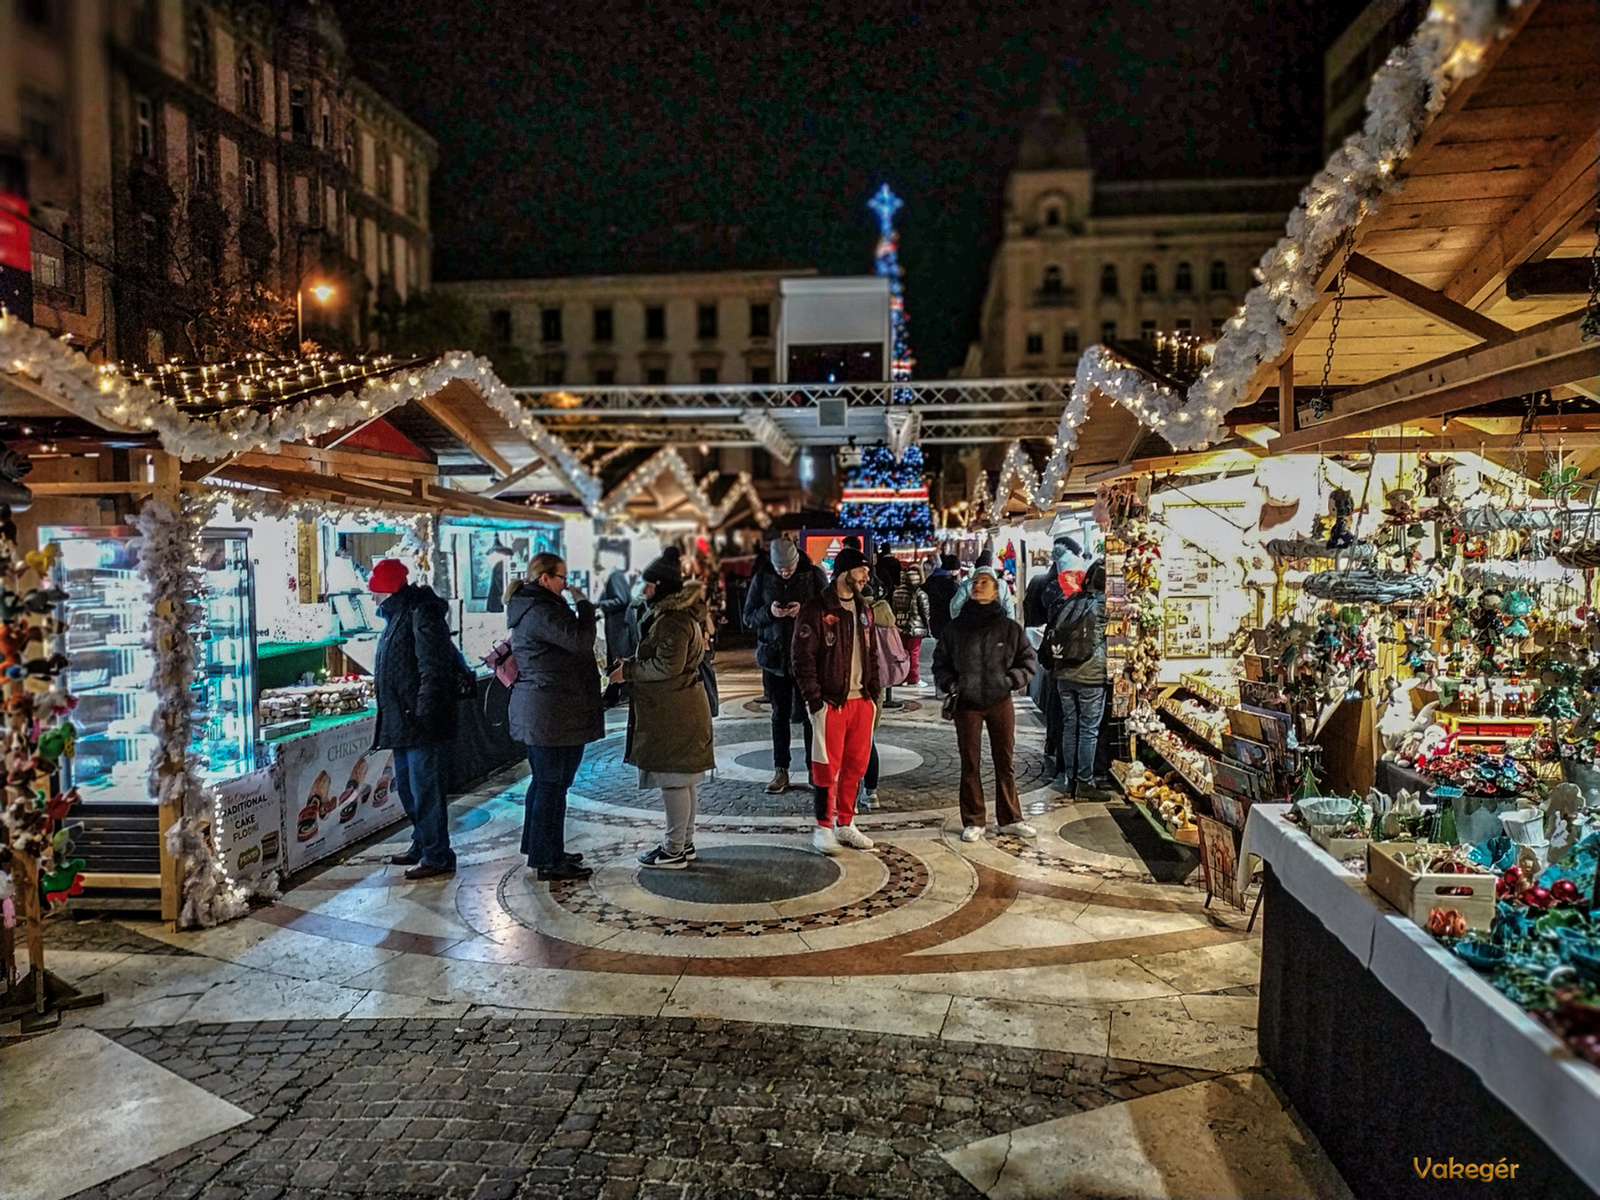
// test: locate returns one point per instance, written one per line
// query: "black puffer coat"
(774, 635)
(418, 671)
(983, 656)
(556, 701)
(940, 589)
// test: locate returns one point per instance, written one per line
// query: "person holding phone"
(555, 706)
(770, 608)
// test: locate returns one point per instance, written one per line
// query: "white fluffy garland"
(1406, 93)
(169, 554)
(101, 395)
(1040, 488)
(416, 540)
(667, 461)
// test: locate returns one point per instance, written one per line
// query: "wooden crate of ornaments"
(1416, 893)
(1338, 848)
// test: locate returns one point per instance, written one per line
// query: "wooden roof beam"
(464, 433)
(1535, 229)
(1427, 301)
(500, 487)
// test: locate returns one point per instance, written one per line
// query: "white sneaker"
(823, 839)
(1019, 829)
(849, 835)
(972, 833)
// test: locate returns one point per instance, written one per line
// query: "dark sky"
(580, 138)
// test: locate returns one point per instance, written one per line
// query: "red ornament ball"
(1512, 876)
(1539, 897)
(1564, 891)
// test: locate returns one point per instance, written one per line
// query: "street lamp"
(321, 293)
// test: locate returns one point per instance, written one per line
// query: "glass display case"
(106, 623)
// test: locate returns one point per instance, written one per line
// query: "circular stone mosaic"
(751, 874)
(907, 881)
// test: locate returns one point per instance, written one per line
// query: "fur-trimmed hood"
(690, 598)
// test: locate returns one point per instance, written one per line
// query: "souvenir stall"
(208, 534)
(1409, 732)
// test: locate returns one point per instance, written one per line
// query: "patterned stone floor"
(859, 1032)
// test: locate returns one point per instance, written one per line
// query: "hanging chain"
(1321, 405)
(1591, 319)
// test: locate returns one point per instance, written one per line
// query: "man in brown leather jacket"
(836, 668)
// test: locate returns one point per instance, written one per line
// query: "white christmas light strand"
(1406, 93)
(668, 461)
(250, 504)
(169, 557)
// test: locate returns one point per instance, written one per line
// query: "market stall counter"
(1409, 1067)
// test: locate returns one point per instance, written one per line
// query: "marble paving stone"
(1107, 981)
(1029, 921)
(515, 986)
(427, 908)
(1103, 924)
(396, 1004)
(153, 989)
(1019, 1023)
(73, 965)
(78, 1109)
(261, 996)
(1163, 1031)
(1207, 968)
(852, 1004)
(1227, 1010)
(1223, 1139)
(306, 956)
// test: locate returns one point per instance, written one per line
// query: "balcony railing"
(1056, 298)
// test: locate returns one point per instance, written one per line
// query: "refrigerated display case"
(106, 623)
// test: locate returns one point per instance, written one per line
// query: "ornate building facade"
(1084, 261)
(177, 153)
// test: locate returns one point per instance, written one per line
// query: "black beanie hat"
(949, 562)
(847, 560)
(666, 572)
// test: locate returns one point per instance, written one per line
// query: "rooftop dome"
(1052, 140)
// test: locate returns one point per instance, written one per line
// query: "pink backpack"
(894, 663)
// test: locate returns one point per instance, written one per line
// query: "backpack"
(1075, 633)
(894, 663)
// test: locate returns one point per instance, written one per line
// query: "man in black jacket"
(621, 638)
(774, 598)
(418, 673)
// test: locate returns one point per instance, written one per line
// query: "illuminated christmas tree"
(888, 497)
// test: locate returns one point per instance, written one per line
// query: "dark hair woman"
(669, 714)
(555, 706)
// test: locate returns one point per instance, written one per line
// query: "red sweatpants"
(914, 652)
(844, 735)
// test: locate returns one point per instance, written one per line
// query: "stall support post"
(39, 999)
(1286, 395)
(168, 488)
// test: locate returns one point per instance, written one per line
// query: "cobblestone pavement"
(616, 1109)
(929, 785)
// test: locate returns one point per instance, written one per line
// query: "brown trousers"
(1001, 720)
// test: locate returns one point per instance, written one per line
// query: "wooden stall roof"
(1504, 176)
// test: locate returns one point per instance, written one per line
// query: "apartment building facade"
(176, 151)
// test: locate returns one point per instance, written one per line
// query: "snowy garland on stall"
(101, 395)
(1405, 95)
(668, 461)
(169, 558)
(416, 539)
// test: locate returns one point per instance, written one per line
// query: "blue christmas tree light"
(887, 497)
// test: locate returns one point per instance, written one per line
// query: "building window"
(1052, 216)
(249, 85)
(150, 241)
(327, 128)
(603, 325)
(550, 324)
(605, 377)
(1035, 342)
(760, 463)
(299, 114)
(760, 374)
(1219, 276)
(35, 13)
(1147, 331)
(1108, 331)
(48, 270)
(500, 326)
(1183, 281)
(413, 189)
(708, 375)
(40, 118)
(144, 128)
(1216, 326)
(655, 324)
(554, 375)
(199, 39)
(1069, 341)
(350, 145)
(1185, 325)
(760, 320)
(155, 347)
(202, 164)
(656, 376)
(1052, 281)
(250, 174)
(1108, 280)
(1147, 278)
(383, 177)
(705, 321)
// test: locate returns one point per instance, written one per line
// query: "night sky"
(587, 138)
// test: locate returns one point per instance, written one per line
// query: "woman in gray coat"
(669, 714)
(555, 706)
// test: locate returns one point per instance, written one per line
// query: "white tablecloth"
(1523, 1064)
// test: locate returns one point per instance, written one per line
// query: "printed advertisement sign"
(335, 792)
(249, 826)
